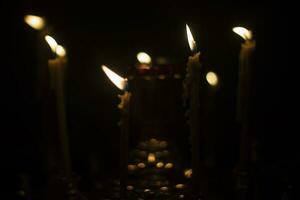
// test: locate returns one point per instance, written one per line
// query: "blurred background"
(112, 33)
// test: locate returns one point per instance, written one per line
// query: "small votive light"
(212, 78)
(164, 188)
(151, 157)
(130, 187)
(147, 190)
(35, 22)
(188, 173)
(159, 164)
(131, 167)
(179, 186)
(141, 165)
(169, 165)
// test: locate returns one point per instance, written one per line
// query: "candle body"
(56, 68)
(192, 84)
(242, 118)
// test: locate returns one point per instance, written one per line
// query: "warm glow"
(243, 32)
(131, 167)
(52, 43)
(141, 165)
(164, 188)
(212, 78)
(147, 190)
(115, 78)
(179, 186)
(60, 51)
(159, 164)
(168, 165)
(151, 157)
(163, 144)
(130, 187)
(35, 22)
(188, 173)
(190, 37)
(143, 58)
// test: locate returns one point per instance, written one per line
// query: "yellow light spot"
(169, 165)
(34, 21)
(143, 58)
(179, 186)
(131, 167)
(119, 81)
(130, 187)
(141, 165)
(60, 51)
(243, 32)
(164, 188)
(161, 77)
(147, 190)
(212, 78)
(188, 173)
(151, 157)
(159, 164)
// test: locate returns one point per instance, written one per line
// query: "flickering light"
(169, 165)
(35, 22)
(179, 186)
(51, 42)
(147, 190)
(60, 51)
(151, 157)
(243, 32)
(141, 165)
(212, 78)
(159, 164)
(188, 173)
(143, 58)
(119, 81)
(191, 40)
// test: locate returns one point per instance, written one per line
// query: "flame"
(151, 157)
(34, 21)
(212, 78)
(188, 173)
(143, 58)
(159, 164)
(52, 43)
(119, 81)
(60, 51)
(190, 37)
(243, 32)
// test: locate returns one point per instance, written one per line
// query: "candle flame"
(212, 78)
(143, 58)
(117, 80)
(60, 51)
(191, 40)
(151, 158)
(35, 22)
(52, 43)
(243, 32)
(188, 173)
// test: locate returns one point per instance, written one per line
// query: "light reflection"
(35, 22)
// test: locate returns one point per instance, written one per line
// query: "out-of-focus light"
(159, 164)
(143, 58)
(51, 42)
(35, 22)
(243, 32)
(212, 78)
(179, 186)
(164, 188)
(151, 157)
(190, 37)
(141, 165)
(188, 173)
(131, 167)
(60, 51)
(169, 165)
(119, 81)
(130, 187)
(147, 190)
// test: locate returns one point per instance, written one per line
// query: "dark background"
(96, 33)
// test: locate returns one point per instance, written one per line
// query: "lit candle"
(247, 49)
(122, 84)
(56, 69)
(191, 86)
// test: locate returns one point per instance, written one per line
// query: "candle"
(247, 49)
(56, 69)
(191, 86)
(122, 84)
